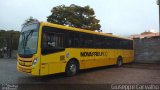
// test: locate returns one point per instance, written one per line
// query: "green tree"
(75, 16)
(9, 40)
(2, 38)
(29, 20)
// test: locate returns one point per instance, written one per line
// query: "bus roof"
(80, 30)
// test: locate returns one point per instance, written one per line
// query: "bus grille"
(25, 66)
(25, 63)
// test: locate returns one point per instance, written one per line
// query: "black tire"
(119, 61)
(71, 68)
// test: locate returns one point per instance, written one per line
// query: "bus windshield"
(28, 40)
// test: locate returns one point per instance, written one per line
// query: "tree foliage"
(75, 16)
(9, 41)
(29, 20)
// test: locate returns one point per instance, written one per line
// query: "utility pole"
(158, 3)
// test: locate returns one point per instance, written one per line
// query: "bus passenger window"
(52, 42)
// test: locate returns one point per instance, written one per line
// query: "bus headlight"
(34, 61)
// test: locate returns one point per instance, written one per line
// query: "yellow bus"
(46, 48)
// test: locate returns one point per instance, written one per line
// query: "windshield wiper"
(23, 39)
(26, 38)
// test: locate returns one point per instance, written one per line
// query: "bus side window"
(81, 40)
(76, 39)
(71, 39)
(44, 42)
(51, 41)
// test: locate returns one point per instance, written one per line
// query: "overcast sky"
(123, 17)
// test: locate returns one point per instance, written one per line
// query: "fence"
(147, 50)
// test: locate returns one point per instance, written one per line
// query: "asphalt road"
(127, 74)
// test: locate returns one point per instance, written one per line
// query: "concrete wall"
(147, 50)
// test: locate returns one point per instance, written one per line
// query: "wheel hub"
(73, 68)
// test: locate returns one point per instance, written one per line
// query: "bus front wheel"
(71, 68)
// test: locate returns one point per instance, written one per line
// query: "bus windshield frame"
(28, 42)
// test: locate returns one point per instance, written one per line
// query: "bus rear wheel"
(119, 61)
(71, 68)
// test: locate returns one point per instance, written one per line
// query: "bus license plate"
(23, 69)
